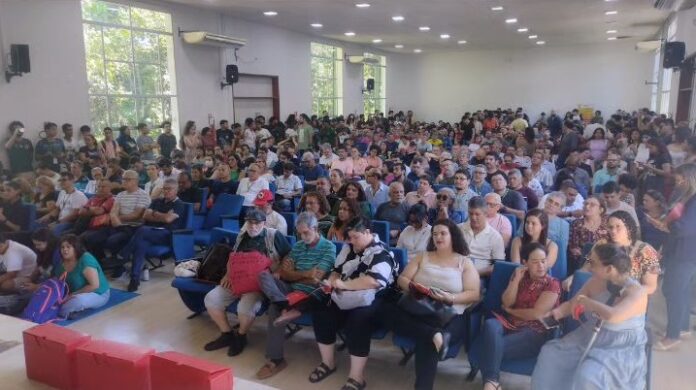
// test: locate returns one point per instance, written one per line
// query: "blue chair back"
(401, 257)
(382, 230)
(339, 246)
(204, 200)
(579, 280)
(188, 216)
(292, 240)
(31, 217)
(513, 222)
(225, 204)
(273, 187)
(296, 204)
(219, 234)
(290, 219)
(502, 272)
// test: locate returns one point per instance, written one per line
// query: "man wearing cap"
(288, 186)
(264, 203)
(254, 237)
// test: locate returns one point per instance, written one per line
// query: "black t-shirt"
(21, 155)
(191, 195)
(16, 213)
(219, 187)
(225, 136)
(163, 206)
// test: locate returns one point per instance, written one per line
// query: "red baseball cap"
(263, 197)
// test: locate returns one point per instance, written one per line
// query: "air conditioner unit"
(358, 59)
(211, 39)
(674, 5)
(648, 46)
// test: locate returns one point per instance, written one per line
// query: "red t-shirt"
(528, 294)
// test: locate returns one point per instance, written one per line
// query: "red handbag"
(243, 269)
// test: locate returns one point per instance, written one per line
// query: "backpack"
(45, 303)
(214, 264)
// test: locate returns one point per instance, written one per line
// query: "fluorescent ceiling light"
(511, 20)
(424, 28)
(399, 46)
(317, 25)
(611, 31)
(417, 50)
(398, 18)
(611, 12)
(445, 36)
(611, 39)
(523, 29)
(533, 37)
(497, 8)
(362, 5)
(377, 40)
(270, 13)
(349, 34)
(541, 42)
(461, 42)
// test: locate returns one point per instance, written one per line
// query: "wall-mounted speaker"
(673, 54)
(370, 84)
(19, 55)
(231, 74)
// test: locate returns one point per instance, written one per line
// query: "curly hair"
(358, 187)
(355, 211)
(629, 223)
(324, 207)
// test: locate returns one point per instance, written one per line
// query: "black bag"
(214, 264)
(431, 311)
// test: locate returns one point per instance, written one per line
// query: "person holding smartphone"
(517, 333)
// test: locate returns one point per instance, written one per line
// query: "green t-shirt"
(322, 256)
(76, 279)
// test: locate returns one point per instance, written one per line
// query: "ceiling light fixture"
(497, 8)
(445, 36)
(349, 34)
(424, 28)
(398, 46)
(611, 13)
(461, 42)
(541, 42)
(362, 5)
(417, 50)
(511, 20)
(523, 29)
(611, 39)
(612, 31)
(398, 18)
(377, 40)
(533, 37)
(270, 13)
(317, 25)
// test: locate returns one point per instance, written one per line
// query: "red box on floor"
(49, 353)
(176, 371)
(108, 365)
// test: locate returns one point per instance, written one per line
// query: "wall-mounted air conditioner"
(648, 46)
(358, 59)
(211, 39)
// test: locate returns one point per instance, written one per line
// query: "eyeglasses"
(492, 204)
(442, 197)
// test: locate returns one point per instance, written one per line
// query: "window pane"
(147, 79)
(151, 20)
(98, 112)
(317, 49)
(119, 76)
(150, 112)
(146, 47)
(94, 59)
(117, 44)
(101, 11)
(121, 111)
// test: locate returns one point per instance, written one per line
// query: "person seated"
(316, 203)
(348, 209)
(496, 220)
(154, 186)
(95, 214)
(114, 172)
(45, 199)
(88, 286)
(288, 186)
(517, 184)
(611, 193)
(14, 216)
(611, 172)
(376, 192)
(572, 207)
(516, 332)
(48, 257)
(164, 216)
(363, 267)
(167, 170)
(69, 203)
(478, 182)
(628, 185)
(394, 211)
(462, 191)
(590, 228)
(250, 186)
(562, 362)
(359, 162)
(309, 261)
(444, 207)
(188, 193)
(536, 228)
(653, 210)
(485, 243)
(513, 202)
(44, 169)
(311, 170)
(274, 220)
(445, 269)
(398, 174)
(81, 180)
(343, 163)
(256, 237)
(17, 264)
(221, 183)
(353, 190)
(424, 193)
(198, 179)
(448, 169)
(97, 176)
(414, 238)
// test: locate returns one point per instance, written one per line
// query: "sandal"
(352, 384)
(661, 346)
(320, 373)
(496, 385)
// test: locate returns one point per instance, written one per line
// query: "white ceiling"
(558, 22)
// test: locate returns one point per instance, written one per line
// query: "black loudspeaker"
(231, 74)
(673, 54)
(19, 56)
(370, 84)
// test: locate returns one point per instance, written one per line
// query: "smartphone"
(436, 290)
(549, 322)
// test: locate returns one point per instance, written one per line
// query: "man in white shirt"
(288, 186)
(250, 186)
(264, 203)
(154, 186)
(249, 134)
(17, 263)
(574, 202)
(484, 242)
(167, 171)
(69, 203)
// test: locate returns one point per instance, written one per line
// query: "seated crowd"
(614, 198)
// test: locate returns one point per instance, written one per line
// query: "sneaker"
(145, 275)
(237, 346)
(287, 316)
(133, 285)
(224, 340)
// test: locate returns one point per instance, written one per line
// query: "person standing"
(20, 152)
(166, 140)
(51, 149)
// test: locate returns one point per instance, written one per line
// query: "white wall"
(605, 76)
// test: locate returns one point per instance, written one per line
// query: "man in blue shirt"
(51, 149)
(311, 171)
(164, 216)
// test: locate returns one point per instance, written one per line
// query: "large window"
(375, 67)
(130, 65)
(327, 79)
